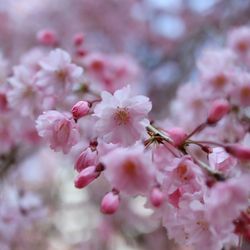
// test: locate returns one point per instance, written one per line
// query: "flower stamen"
(121, 116)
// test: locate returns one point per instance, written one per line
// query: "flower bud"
(238, 151)
(178, 135)
(219, 109)
(81, 52)
(78, 39)
(86, 176)
(156, 197)
(86, 158)
(80, 109)
(110, 203)
(47, 37)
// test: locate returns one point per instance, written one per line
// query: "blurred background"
(164, 37)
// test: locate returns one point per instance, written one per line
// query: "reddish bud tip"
(81, 52)
(78, 39)
(238, 151)
(86, 176)
(80, 109)
(47, 37)
(110, 203)
(218, 109)
(178, 135)
(156, 197)
(86, 158)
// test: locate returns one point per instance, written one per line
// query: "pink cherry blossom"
(122, 117)
(217, 76)
(225, 203)
(58, 73)
(111, 72)
(129, 170)
(24, 95)
(188, 225)
(240, 94)
(58, 129)
(184, 176)
(239, 40)
(32, 58)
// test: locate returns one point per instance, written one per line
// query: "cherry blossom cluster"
(192, 168)
(50, 80)
(182, 166)
(163, 171)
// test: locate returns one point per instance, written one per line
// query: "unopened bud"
(86, 176)
(47, 37)
(219, 109)
(238, 151)
(110, 203)
(178, 135)
(81, 52)
(156, 197)
(80, 109)
(86, 158)
(78, 39)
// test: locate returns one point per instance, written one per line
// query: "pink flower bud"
(80, 109)
(110, 203)
(78, 39)
(238, 151)
(156, 197)
(86, 176)
(219, 109)
(81, 52)
(178, 135)
(47, 37)
(86, 158)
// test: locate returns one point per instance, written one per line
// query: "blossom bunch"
(190, 169)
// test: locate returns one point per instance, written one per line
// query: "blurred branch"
(7, 161)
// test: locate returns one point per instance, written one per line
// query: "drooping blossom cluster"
(191, 169)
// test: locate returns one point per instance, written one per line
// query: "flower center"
(203, 225)
(220, 81)
(121, 116)
(129, 168)
(242, 46)
(182, 171)
(61, 74)
(245, 92)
